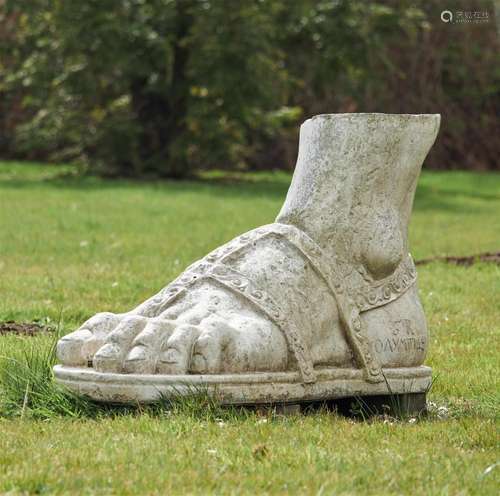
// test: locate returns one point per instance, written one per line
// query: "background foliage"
(167, 87)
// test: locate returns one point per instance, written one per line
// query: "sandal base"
(242, 389)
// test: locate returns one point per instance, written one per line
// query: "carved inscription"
(403, 327)
(397, 345)
(404, 339)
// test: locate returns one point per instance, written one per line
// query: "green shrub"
(166, 87)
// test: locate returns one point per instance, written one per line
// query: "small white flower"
(84, 243)
(114, 284)
(490, 468)
(442, 412)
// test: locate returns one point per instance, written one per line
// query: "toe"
(78, 347)
(175, 310)
(102, 323)
(192, 316)
(109, 358)
(143, 356)
(176, 357)
(207, 353)
(69, 347)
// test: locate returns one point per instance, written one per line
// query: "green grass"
(70, 247)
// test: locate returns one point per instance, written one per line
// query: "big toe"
(176, 357)
(207, 352)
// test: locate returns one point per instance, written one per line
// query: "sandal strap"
(351, 302)
(349, 312)
(354, 328)
(243, 286)
(367, 294)
(375, 294)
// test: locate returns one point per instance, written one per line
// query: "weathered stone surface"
(241, 389)
(329, 288)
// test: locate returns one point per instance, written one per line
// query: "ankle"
(354, 182)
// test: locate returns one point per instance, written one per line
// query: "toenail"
(198, 363)
(108, 350)
(136, 354)
(170, 356)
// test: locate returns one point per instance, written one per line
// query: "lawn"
(70, 247)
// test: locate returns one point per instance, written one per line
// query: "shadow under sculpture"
(319, 305)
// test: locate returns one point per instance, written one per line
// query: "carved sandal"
(359, 263)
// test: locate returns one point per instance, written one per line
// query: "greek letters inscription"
(394, 345)
(404, 339)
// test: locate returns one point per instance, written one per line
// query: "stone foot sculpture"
(320, 304)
